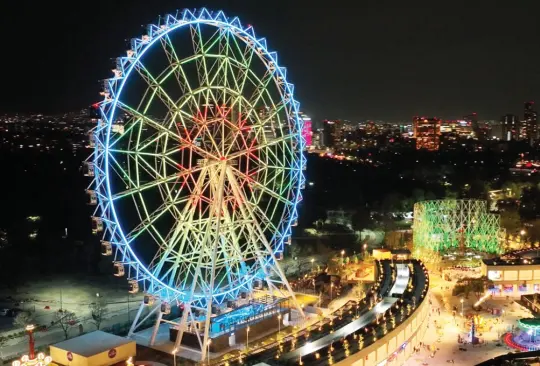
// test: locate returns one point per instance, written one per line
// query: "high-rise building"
(427, 132)
(510, 127)
(331, 133)
(472, 121)
(530, 122)
(307, 132)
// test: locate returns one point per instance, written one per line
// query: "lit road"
(402, 279)
(352, 327)
(399, 287)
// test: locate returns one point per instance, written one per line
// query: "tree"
(23, 319)
(391, 202)
(67, 320)
(3, 341)
(418, 195)
(511, 221)
(98, 311)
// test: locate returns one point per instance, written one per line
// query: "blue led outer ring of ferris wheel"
(265, 56)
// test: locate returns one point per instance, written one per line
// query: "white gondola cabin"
(88, 169)
(92, 197)
(165, 308)
(91, 139)
(258, 284)
(97, 224)
(148, 300)
(119, 270)
(106, 248)
(133, 286)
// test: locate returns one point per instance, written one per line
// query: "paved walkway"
(441, 338)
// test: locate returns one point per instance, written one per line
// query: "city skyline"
(363, 64)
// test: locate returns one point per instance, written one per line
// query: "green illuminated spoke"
(155, 86)
(147, 120)
(263, 188)
(142, 187)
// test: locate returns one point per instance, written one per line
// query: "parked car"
(13, 312)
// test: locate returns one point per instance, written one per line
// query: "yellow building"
(93, 349)
(380, 254)
(514, 274)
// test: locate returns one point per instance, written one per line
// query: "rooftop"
(92, 343)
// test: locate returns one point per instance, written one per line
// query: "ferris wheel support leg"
(217, 210)
(137, 316)
(268, 249)
(156, 328)
(182, 326)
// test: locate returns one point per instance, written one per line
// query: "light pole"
(342, 254)
(208, 351)
(331, 287)
(279, 325)
(31, 349)
(364, 253)
(174, 355)
(312, 262)
(462, 301)
(247, 339)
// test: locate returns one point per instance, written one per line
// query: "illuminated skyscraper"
(307, 132)
(331, 133)
(510, 127)
(427, 133)
(530, 123)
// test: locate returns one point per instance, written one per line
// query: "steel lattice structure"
(448, 224)
(197, 164)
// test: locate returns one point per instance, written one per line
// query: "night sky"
(357, 60)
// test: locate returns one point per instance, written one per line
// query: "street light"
(312, 261)
(279, 325)
(247, 339)
(331, 287)
(174, 355)
(523, 232)
(462, 301)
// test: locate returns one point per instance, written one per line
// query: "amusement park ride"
(31, 359)
(197, 171)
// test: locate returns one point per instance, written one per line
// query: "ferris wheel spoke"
(262, 187)
(245, 68)
(147, 120)
(146, 223)
(120, 171)
(184, 227)
(143, 154)
(176, 64)
(143, 187)
(262, 88)
(198, 49)
(154, 85)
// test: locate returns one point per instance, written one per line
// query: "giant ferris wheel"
(197, 165)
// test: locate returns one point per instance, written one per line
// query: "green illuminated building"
(441, 225)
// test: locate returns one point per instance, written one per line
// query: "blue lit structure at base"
(230, 328)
